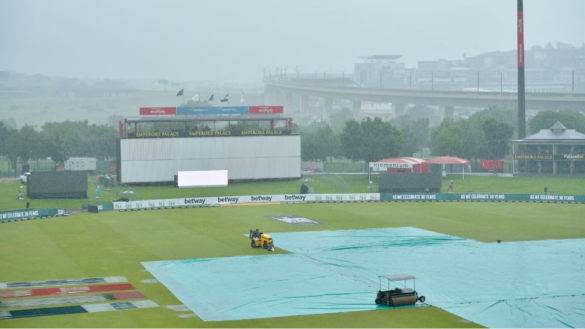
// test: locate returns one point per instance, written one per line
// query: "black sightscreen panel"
(57, 184)
(411, 183)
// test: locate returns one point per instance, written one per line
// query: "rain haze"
(235, 41)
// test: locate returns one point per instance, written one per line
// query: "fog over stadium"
(234, 41)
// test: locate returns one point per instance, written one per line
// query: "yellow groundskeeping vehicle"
(261, 240)
(398, 296)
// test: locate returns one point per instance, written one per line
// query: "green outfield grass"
(114, 243)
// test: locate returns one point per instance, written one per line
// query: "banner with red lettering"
(158, 111)
(265, 109)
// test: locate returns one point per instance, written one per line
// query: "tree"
(320, 145)
(421, 128)
(546, 119)
(446, 123)
(370, 140)
(351, 140)
(449, 141)
(410, 141)
(497, 136)
(26, 144)
(338, 119)
(8, 136)
(309, 147)
(501, 114)
(57, 148)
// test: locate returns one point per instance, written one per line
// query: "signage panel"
(570, 157)
(383, 166)
(533, 156)
(210, 110)
(266, 109)
(158, 110)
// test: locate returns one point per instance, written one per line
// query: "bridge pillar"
(398, 109)
(448, 111)
(304, 106)
(288, 103)
(327, 108)
(356, 107)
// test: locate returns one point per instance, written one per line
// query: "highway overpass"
(284, 90)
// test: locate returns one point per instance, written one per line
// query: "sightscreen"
(57, 184)
(410, 182)
(202, 178)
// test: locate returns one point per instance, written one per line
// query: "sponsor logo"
(573, 156)
(533, 157)
(252, 132)
(294, 197)
(194, 201)
(158, 134)
(261, 198)
(294, 220)
(227, 200)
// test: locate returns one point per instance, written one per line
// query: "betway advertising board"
(212, 201)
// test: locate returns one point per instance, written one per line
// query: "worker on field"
(450, 187)
(20, 193)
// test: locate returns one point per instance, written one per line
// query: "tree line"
(484, 135)
(57, 141)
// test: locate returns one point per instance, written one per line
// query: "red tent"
(450, 160)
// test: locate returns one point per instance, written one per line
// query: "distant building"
(554, 151)
(380, 71)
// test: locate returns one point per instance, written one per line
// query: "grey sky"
(232, 41)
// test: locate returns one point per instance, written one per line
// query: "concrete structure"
(446, 99)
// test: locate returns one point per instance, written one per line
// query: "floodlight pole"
(521, 88)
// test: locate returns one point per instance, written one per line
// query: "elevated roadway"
(446, 99)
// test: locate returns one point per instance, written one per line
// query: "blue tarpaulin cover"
(510, 284)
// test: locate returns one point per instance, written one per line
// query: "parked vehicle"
(398, 296)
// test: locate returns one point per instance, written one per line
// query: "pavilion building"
(554, 151)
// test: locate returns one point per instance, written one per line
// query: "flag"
(211, 98)
(195, 98)
(226, 98)
(242, 99)
(180, 93)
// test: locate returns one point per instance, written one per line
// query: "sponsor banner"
(202, 133)
(208, 110)
(166, 203)
(31, 213)
(570, 157)
(158, 110)
(265, 109)
(360, 197)
(557, 157)
(266, 132)
(483, 197)
(383, 166)
(533, 156)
